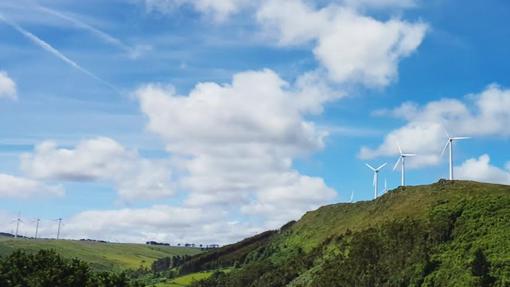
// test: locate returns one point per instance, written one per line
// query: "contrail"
(41, 43)
(132, 51)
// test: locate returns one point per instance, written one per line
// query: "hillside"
(101, 256)
(451, 233)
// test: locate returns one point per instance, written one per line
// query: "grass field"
(101, 256)
(184, 280)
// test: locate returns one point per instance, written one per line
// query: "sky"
(209, 121)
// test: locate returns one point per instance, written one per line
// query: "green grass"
(184, 280)
(101, 256)
(414, 202)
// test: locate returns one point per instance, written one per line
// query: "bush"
(47, 269)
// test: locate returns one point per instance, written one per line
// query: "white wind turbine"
(449, 144)
(37, 221)
(59, 225)
(352, 196)
(376, 176)
(402, 160)
(18, 221)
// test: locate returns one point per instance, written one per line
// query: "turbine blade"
(408, 154)
(370, 167)
(399, 148)
(383, 165)
(396, 164)
(460, 138)
(445, 146)
(446, 132)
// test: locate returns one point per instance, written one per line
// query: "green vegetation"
(100, 256)
(47, 268)
(444, 234)
(185, 280)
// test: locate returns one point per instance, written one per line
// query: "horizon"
(209, 122)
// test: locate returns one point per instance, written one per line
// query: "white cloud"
(19, 187)
(162, 223)
(352, 47)
(101, 159)
(480, 169)
(218, 9)
(479, 115)
(7, 86)
(234, 143)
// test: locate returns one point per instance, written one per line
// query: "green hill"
(101, 256)
(451, 233)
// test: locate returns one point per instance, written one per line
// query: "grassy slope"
(101, 256)
(184, 280)
(414, 202)
(484, 222)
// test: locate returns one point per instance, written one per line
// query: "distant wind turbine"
(18, 221)
(376, 176)
(385, 186)
(449, 144)
(59, 225)
(37, 227)
(352, 196)
(402, 160)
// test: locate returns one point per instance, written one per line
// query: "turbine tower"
(385, 186)
(58, 230)
(18, 221)
(36, 227)
(376, 177)
(352, 196)
(449, 144)
(402, 160)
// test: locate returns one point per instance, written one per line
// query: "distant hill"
(451, 233)
(101, 256)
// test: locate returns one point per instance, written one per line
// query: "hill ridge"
(441, 226)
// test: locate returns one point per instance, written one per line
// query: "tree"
(480, 267)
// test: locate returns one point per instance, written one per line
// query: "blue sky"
(208, 121)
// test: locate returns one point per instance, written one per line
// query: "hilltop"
(101, 256)
(451, 233)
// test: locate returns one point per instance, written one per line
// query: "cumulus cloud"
(19, 187)
(479, 115)
(235, 143)
(353, 48)
(7, 86)
(101, 159)
(162, 223)
(480, 169)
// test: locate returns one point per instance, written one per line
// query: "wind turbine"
(402, 161)
(385, 186)
(376, 176)
(37, 227)
(18, 221)
(58, 230)
(449, 144)
(352, 196)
